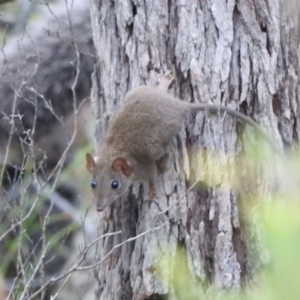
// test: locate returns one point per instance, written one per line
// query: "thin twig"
(77, 268)
(34, 273)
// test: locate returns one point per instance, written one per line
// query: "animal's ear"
(121, 164)
(90, 163)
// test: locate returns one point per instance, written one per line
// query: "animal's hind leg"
(166, 81)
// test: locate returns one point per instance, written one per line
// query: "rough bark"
(242, 54)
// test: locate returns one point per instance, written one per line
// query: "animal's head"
(109, 180)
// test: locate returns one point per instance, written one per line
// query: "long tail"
(219, 108)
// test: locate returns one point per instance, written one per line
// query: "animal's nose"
(100, 208)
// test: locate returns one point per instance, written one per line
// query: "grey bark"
(241, 54)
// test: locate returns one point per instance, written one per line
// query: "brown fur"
(3, 291)
(139, 136)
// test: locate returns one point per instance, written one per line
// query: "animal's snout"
(100, 208)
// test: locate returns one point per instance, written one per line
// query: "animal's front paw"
(161, 169)
(166, 81)
(152, 191)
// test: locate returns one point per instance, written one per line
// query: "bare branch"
(23, 295)
(83, 254)
(71, 270)
(38, 97)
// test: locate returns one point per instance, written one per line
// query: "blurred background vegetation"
(61, 214)
(278, 279)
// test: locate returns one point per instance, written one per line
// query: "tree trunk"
(241, 54)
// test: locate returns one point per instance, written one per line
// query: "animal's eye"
(114, 184)
(93, 184)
